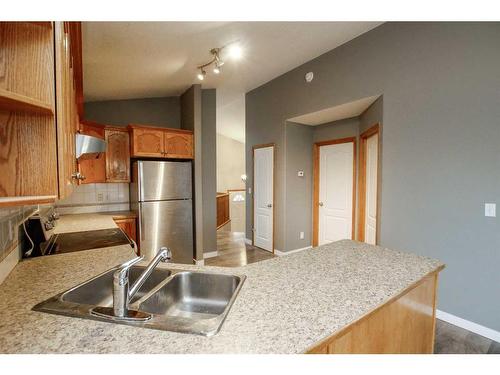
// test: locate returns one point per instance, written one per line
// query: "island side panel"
(405, 324)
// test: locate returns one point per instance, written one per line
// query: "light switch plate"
(490, 210)
(301, 235)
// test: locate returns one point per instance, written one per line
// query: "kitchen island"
(341, 297)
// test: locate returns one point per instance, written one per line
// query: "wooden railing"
(222, 209)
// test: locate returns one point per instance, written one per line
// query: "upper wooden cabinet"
(161, 142)
(40, 107)
(28, 148)
(147, 142)
(93, 170)
(117, 155)
(114, 164)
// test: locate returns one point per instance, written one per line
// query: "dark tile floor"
(451, 339)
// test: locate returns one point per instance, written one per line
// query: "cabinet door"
(117, 155)
(147, 142)
(94, 170)
(178, 145)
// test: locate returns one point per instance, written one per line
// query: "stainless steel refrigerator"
(161, 193)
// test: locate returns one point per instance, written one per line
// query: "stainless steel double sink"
(178, 300)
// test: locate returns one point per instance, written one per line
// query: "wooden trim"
(432, 276)
(316, 176)
(220, 226)
(255, 147)
(233, 190)
(362, 182)
(170, 130)
(12, 101)
(27, 200)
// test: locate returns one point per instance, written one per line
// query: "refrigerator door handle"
(140, 180)
(141, 221)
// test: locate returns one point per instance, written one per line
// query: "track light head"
(201, 75)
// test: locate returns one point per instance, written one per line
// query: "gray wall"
(164, 111)
(198, 113)
(298, 201)
(209, 173)
(191, 119)
(441, 129)
(299, 190)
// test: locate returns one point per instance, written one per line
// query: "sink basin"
(99, 290)
(193, 295)
(178, 300)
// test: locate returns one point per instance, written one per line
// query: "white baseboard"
(8, 264)
(247, 241)
(210, 254)
(281, 253)
(468, 325)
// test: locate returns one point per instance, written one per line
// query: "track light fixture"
(201, 75)
(216, 61)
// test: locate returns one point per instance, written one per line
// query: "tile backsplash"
(96, 198)
(11, 218)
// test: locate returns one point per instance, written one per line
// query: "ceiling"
(339, 112)
(124, 60)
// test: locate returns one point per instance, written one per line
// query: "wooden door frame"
(316, 148)
(363, 138)
(256, 147)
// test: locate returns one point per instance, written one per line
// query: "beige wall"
(230, 163)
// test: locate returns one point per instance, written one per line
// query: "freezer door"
(167, 223)
(162, 180)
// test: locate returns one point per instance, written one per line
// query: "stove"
(78, 241)
(43, 241)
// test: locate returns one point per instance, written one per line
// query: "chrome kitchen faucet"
(122, 293)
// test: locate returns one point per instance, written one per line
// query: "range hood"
(88, 147)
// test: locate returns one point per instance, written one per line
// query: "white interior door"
(371, 189)
(263, 197)
(336, 163)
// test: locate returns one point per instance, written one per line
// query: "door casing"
(375, 129)
(255, 147)
(316, 168)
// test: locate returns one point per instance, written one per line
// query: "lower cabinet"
(128, 225)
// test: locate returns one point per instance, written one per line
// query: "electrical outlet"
(490, 210)
(301, 235)
(249, 190)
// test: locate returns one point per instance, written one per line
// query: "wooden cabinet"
(94, 170)
(114, 164)
(178, 145)
(147, 142)
(28, 143)
(222, 209)
(161, 142)
(117, 155)
(67, 92)
(128, 225)
(38, 110)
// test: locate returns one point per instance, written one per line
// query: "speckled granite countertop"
(285, 305)
(84, 222)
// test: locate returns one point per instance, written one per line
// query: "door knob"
(321, 204)
(269, 205)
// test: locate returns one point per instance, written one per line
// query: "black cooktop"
(78, 241)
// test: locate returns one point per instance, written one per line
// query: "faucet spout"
(122, 293)
(163, 255)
